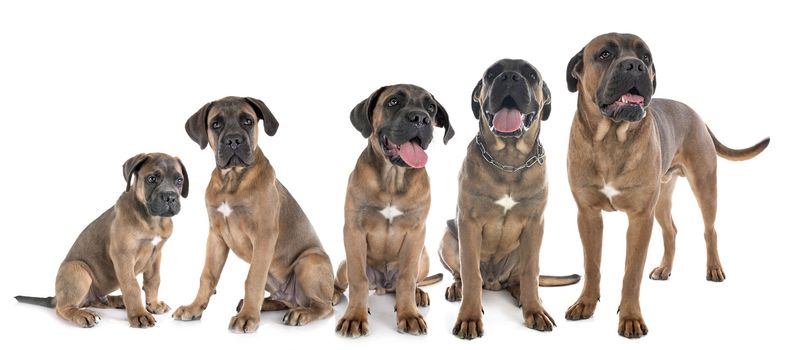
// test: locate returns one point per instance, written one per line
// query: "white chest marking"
(390, 212)
(156, 240)
(507, 202)
(609, 191)
(225, 209)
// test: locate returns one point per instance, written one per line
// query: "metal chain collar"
(536, 158)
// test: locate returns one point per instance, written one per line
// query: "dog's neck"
(510, 150)
(598, 127)
(392, 178)
(136, 212)
(231, 179)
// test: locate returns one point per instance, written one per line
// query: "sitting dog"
(626, 151)
(124, 241)
(252, 213)
(388, 197)
(494, 241)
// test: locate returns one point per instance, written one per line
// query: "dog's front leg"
(530, 242)
(248, 318)
(123, 260)
(409, 320)
(151, 278)
(630, 319)
(215, 256)
(469, 320)
(354, 322)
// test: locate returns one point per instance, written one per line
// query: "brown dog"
(625, 153)
(388, 197)
(253, 214)
(494, 242)
(124, 241)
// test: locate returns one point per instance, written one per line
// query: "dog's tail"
(558, 281)
(46, 302)
(737, 154)
(431, 280)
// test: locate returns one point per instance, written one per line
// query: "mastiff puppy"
(388, 197)
(494, 241)
(254, 215)
(626, 151)
(124, 241)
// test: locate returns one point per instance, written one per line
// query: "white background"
(86, 85)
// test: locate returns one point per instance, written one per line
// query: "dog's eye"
(248, 121)
(151, 179)
(216, 125)
(489, 75)
(646, 58)
(605, 55)
(431, 108)
(533, 76)
(393, 102)
(179, 182)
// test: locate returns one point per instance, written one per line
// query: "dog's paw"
(188, 312)
(84, 318)
(582, 309)
(141, 320)
(468, 328)
(715, 274)
(353, 325)
(422, 298)
(538, 319)
(660, 273)
(244, 323)
(454, 291)
(299, 316)
(411, 323)
(158, 307)
(632, 327)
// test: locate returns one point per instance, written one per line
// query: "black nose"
(168, 197)
(632, 65)
(511, 76)
(233, 140)
(419, 118)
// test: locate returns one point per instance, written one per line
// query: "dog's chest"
(390, 212)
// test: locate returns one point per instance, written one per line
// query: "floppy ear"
(197, 126)
(547, 101)
(185, 187)
(442, 121)
(131, 166)
(361, 115)
(270, 124)
(654, 81)
(573, 71)
(476, 107)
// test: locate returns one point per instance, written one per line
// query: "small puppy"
(388, 197)
(254, 215)
(124, 241)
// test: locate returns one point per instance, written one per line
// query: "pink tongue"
(507, 120)
(413, 155)
(632, 98)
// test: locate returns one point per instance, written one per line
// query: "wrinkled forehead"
(616, 42)
(161, 164)
(406, 93)
(230, 108)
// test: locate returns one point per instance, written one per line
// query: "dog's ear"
(654, 81)
(547, 101)
(361, 115)
(131, 166)
(573, 71)
(270, 124)
(476, 107)
(442, 121)
(185, 186)
(197, 126)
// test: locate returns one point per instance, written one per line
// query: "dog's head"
(511, 98)
(229, 126)
(616, 73)
(399, 120)
(158, 181)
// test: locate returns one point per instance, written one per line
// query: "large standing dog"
(253, 214)
(124, 241)
(625, 153)
(388, 197)
(494, 242)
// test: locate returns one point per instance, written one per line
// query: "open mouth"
(509, 121)
(631, 98)
(408, 153)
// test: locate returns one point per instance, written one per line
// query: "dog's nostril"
(169, 197)
(514, 77)
(427, 120)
